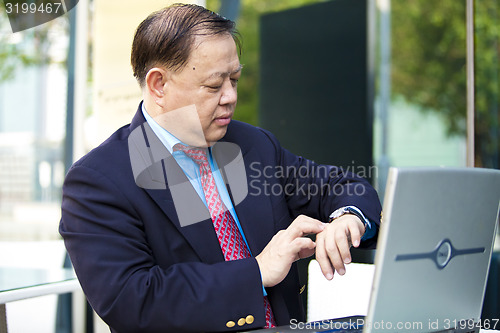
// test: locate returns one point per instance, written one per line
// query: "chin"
(212, 138)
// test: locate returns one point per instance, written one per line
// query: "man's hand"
(333, 244)
(286, 247)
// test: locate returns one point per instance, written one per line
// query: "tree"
(429, 65)
(487, 84)
(21, 49)
(428, 57)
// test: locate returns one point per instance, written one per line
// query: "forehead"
(213, 56)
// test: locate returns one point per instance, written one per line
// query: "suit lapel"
(199, 234)
(253, 209)
(165, 182)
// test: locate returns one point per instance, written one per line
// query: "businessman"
(188, 221)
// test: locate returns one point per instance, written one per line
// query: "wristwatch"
(350, 210)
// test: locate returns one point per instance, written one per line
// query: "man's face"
(206, 86)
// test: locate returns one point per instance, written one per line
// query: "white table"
(22, 283)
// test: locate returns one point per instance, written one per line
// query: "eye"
(234, 82)
(215, 88)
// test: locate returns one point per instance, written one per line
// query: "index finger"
(304, 225)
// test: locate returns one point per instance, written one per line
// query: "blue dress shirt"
(191, 169)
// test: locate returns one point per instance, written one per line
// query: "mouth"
(223, 120)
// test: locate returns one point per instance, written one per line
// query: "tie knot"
(198, 155)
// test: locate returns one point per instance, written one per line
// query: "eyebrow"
(223, 74)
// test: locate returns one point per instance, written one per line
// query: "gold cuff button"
(230, 324)
(249, 319)
(241, 321)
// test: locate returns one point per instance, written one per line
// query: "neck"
(151, 107)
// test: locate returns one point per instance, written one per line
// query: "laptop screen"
(434, 249)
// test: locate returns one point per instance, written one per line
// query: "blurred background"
(385, 79)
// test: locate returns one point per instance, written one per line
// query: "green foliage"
(429, 57)
(248, 26)
(10, 59)
(21, 49)
(487, 84)
(429, 65)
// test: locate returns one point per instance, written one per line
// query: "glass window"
(33, 81)
(421, 102)
(487, 86)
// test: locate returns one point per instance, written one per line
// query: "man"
(162, 234)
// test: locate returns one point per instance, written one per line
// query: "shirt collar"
(167, 138)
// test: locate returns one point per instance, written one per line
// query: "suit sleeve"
(116, 267)
(317, 190)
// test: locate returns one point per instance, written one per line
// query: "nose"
(229, 93)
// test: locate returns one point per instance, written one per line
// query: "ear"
(156, 81)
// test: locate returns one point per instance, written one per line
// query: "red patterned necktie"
(231, 242)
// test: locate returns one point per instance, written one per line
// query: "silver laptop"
(433, 253)
(434, 249)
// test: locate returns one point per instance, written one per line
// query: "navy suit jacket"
(143, 270)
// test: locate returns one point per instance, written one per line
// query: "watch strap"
(369, 230)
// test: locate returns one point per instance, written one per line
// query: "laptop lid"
(434, 249)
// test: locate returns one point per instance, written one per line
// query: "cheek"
(206, 110)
